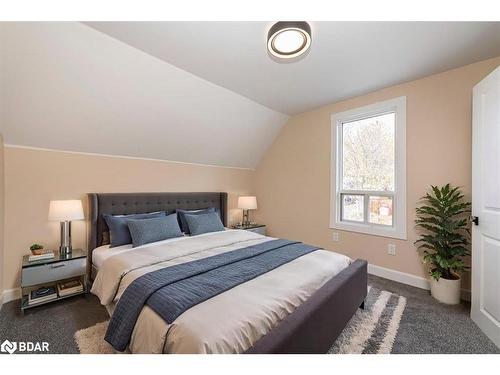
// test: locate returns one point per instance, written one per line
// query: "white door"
(486, 206)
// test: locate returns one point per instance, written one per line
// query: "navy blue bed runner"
(173, 290)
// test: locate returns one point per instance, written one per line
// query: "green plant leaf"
(442, 219)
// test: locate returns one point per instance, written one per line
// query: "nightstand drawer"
(52, 272)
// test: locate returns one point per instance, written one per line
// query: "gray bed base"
(311, 328)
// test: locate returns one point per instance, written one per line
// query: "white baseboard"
(408, 279)
(465, 294)
(10, 295)
(401, 277)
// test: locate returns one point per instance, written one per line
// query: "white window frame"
(398, 229)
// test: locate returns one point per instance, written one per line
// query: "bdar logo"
(8, 347)
(23, 346)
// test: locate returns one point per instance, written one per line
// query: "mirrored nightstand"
(42, 274)
(257, 228)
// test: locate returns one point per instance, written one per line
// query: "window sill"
(374, 230)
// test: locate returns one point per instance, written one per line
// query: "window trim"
(398, 229)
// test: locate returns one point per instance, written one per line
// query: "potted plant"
(444, 218)
(36, 249)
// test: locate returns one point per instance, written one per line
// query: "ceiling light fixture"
(289, 39)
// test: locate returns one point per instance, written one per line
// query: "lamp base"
(246, 218)
(65, 247)
(65, 250)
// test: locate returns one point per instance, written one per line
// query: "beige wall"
(34, 177)
(293, 179)
(1, 218)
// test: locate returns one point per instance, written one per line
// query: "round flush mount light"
(289, 39)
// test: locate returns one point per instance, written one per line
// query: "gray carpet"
(54, 323)
(426, 325)
(430, 327)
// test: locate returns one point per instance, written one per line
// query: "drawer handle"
(57, 265)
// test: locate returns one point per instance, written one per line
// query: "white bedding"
(230, 322)
(101, 253)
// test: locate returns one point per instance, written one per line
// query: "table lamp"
(247, 203)
(65, 211)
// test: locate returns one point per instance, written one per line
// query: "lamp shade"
(66, 210)
(247, 203)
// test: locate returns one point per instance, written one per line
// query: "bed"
(299, 307)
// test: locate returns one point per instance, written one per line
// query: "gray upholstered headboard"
(135, 203)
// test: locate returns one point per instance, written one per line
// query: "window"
(368, 169)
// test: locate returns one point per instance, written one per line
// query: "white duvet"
(230, 322)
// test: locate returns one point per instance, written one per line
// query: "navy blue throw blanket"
(173, 290)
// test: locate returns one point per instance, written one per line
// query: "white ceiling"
(202, 92)
(346, 58)
(69, 87)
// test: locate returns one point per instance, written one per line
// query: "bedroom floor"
(426, 325)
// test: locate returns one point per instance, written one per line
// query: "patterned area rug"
(91, 340)
(370, 331)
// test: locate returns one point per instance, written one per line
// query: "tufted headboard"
(135, 203)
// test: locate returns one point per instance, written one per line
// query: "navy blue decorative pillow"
(204, 223)
(181, 216)
(118, 228)
(145, 231)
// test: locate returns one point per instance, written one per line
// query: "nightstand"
(257, 228)
(50, 272)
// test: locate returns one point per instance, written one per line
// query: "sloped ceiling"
(203, 92)
(67, 86)
(346, 59)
